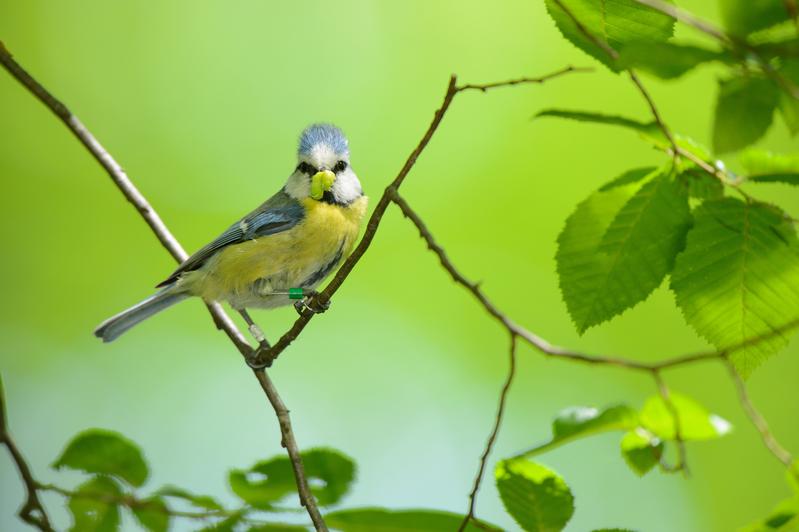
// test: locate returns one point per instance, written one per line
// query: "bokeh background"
(202, 104)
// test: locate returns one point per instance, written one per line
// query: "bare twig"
(682, 455)
(503, 396)
(484, 87)
(167, 239)
(758, 420)
(32, 510)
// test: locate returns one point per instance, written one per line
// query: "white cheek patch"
(347, 188)
(298, 186)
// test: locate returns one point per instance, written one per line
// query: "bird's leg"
(263, 344)
(255, 331)
(309, 303)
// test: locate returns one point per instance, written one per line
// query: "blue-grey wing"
(277, 214)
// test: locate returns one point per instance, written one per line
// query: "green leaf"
(647, 130)
(744, 111)
(613, 22)
(153, 514)
(105, 452)
(270, 481)
(742, 17)
(383, 520)
(764, 166)
(696, 423)
(738, 278)
(641, 450)
(784, 517)
(701, 185)
(664, 59)
(583, 421)
(92, 507)
(536, 497)
(201, 501)
(789, 105)
(616, 248)
(628, 178)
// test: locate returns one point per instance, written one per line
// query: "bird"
(288, 245)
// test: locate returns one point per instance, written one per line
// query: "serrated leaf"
(701, 185)
(738, 278)
(270, 481)
(385, 520)
(744, 111)
(765, 166)
(152, 514)
(201, 501)
(628, 178)
(90, 513)
(743, 17)
(105, 452)
(535, 496)
(696, 422)
(665, 59)
(612, 255)
(647, 130)
(641, 450)
(583, 421)
(614, 22)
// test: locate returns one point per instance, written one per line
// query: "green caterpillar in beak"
(321, 182)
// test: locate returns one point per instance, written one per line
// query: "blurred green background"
(202, 105)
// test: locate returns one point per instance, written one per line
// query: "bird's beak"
(321, 182)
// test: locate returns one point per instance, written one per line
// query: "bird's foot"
(259, 358)
(310, 303)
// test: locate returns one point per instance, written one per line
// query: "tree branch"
(220, 317)
(503, 396)
(32, 510)
(759, 421)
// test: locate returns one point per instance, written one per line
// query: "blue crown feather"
(323, 133)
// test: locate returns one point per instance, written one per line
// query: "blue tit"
(293, 240)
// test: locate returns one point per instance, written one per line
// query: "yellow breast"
(288, 257)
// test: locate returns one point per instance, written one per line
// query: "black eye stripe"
(306, 168)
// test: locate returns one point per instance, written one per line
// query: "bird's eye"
(306, 168)
(340, 166)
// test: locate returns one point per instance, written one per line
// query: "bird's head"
(323, 171)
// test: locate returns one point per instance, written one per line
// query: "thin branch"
(759, 421)
(682, 455)
(167, 239)
(484, 87)
(32, 510)
(503, 396)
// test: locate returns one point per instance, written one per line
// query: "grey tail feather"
(114, 326)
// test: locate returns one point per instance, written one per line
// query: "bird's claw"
(257, 361)
(311, 304)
